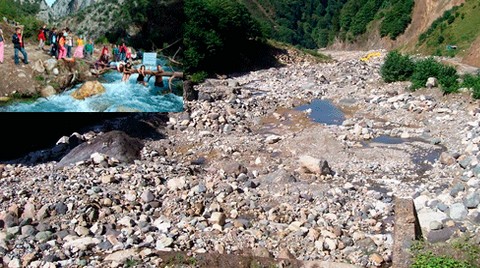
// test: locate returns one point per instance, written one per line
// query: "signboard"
(149, 58)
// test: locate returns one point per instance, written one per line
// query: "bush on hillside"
(397, 67)
(424, 69)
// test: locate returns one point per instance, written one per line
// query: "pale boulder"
(90, 88)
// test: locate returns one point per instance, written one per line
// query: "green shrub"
(397, 67)
(472, 82)
(429, 260)
(198, 77)
(423, 70)
(448, 79)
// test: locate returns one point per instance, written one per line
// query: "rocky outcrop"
(90, 88)
(115, 144)
(62, 8)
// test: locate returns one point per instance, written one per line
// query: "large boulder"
(88, 89)
(114, 144)
(50, 64)
(48, 91)
(314, 165)
(38, 66)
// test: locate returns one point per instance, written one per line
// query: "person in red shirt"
(19, 45)
(42, 37)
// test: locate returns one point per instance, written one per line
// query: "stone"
(28, 230)
(217, 218)
(50, 64)
(121, 255)
(106, 179)
(458, 187)
(114, 144)
(38, 66)
(273, 139)
(61, 208)
(48, 91)
(163, 242)
(472, 200)
(80, 243)
(82, 231)
(176, 183)
(261, 252)
(442, 235)
(426, 216)
(447, 159)
(147, 196)
(457, 211)
(376, 259)
(314, 165)
(14, 263)
(464, 161)
(97, 158)
(330, 244)
(55, 71)
(431, 82)
(90, 88)
(435, 225)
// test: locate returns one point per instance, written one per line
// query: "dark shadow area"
(30, 138)
(255, 56)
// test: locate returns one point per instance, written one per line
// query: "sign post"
(150, 58)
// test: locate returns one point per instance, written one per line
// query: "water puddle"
(422, 153)
(323, 111)
(384, 139)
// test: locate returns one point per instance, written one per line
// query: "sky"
(50, 2)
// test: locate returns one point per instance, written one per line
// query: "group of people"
(62, 43)
(127, 70)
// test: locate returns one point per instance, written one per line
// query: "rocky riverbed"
(244, 171)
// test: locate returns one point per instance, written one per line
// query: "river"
(118, 97)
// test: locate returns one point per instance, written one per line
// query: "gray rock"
(442, 235)
(458, 187)
(61, 208)
(43, 236)
(147, 196)
(115, 144)
(10, 220)
(28, 230)
(472, 200)
(457, 211)
(50, 64)
(464, 161)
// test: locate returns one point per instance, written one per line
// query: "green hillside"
(23, 14)
(458, 27)
(317, 23)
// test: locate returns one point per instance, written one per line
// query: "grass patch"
(458, 26)
(460, 253)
